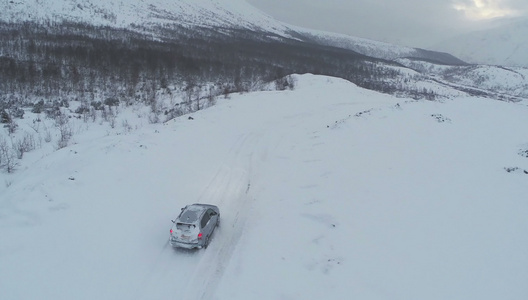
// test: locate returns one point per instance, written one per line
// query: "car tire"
(206, 243)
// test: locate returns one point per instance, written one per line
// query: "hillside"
(327, 191)
(232, 13)
(504, 83)
(212, 14)
(96, 51)
(505, 45)
(377, 49)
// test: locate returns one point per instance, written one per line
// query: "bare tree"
(26, 144)
(35, 125)
(112, 116)
(12, 126)
(211, 96)
(62, 122)
(7, 156)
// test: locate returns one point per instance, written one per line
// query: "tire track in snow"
(189, 268)
(230, 190)
(166, 265)
(148, 280)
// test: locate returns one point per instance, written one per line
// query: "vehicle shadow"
(184, 251)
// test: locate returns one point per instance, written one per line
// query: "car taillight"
(200, 235)
(171, 230)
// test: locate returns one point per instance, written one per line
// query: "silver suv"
(194, 226)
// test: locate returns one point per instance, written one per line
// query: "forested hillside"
(84, 62)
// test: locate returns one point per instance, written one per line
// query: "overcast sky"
(416, 23)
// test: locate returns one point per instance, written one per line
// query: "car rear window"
(184, 226)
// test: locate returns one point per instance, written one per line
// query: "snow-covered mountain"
(119, 13)
(506, 45)
(162, 20)
(199, 13)
(376, 48)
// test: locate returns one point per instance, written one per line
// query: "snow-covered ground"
(326, 192)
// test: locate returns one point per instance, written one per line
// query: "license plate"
(185, 237)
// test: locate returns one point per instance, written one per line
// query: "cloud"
(490, 9)
(416, 23)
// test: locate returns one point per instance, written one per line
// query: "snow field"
(326, 192)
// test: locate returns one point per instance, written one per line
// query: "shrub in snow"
(5, 118)
(62, 122)
(38, 107)
(11, 126)
(511, 169)
(109, 116)
(26, 144)
(92, 114)
(174, 112)
(7, 157)
(127, 127)
(97, 105)
(440, 118)
(516, 170)
(284, 83)
(82, 110)
(61, 103)
(16, 112)
(111, 101)
(362, 113)
(47, 135)
(52, 112)
(35, 125)
(154, 118)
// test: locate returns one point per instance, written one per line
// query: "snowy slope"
(503, 80)
(203, 13)
(327, 192)
(505, 45)
(231, 13)
(376, 48)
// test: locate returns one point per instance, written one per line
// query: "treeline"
(84, 62)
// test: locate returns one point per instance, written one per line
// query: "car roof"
(192, 213)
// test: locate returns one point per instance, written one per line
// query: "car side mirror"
(173, 221)
(214, 213)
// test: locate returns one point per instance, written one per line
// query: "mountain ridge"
(203, 13)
